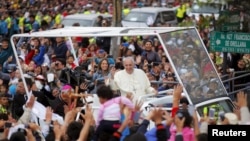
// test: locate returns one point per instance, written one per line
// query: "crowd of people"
(47, 106)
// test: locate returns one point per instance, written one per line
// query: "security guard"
(181, 13)
(217, 108)
(21, 22)
(125, 10)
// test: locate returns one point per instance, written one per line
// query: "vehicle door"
(169, 18)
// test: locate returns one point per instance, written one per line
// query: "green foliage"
(186, 23)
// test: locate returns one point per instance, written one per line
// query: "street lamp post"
(116, 22)
(117, 13)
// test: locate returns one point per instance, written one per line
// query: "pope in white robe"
(132, 81)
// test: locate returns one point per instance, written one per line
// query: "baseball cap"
(125, 44)
(101, 51)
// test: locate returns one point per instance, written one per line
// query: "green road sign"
(229, 21)
(230, 42)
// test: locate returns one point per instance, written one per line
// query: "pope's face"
(129, 66)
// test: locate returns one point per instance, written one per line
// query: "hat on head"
(21, 57)
(66, 87)
(131, 47)
(125, 44)
(232, 118)
(101, 51)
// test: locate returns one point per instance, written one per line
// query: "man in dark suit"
(19, 101)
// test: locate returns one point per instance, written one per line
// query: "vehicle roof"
(87, 16)
(152, 9)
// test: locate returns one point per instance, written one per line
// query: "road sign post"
(234, 42)
(228, 21)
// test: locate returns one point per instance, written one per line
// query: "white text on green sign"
(231, 42)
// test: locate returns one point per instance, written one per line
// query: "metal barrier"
(232, 94)
(226, 83)
(151, 96)
(232, 88)
(235, 78)
(158, 83)
(228, 80)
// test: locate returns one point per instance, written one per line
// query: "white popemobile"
(185, 51)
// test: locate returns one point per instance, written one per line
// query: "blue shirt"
(3, 27)
(35, 26)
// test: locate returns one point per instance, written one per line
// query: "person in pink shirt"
(187, 131)
(108, 120)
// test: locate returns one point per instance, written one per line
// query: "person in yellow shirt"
(8, 21)
(87, 11)
(58, 18)
(125, 10)
(21, 22)
(181, 13)
(38, 17)
(47, 17)
(102, 11)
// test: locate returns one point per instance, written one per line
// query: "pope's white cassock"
(136, 83)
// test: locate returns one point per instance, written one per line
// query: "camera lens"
(180, 115)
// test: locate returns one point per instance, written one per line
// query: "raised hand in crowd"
(243, 107)
(178, 89)
(138, 105)
(30, 135)
(70, 115)
(84, 86)
(179, 123)
(34, 127)
(88, 118)
(241, 99)
(57, 129)
(168, 118)
(196, 123)
(112, 72)
(48, 115)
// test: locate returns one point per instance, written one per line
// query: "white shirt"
(136, 83)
